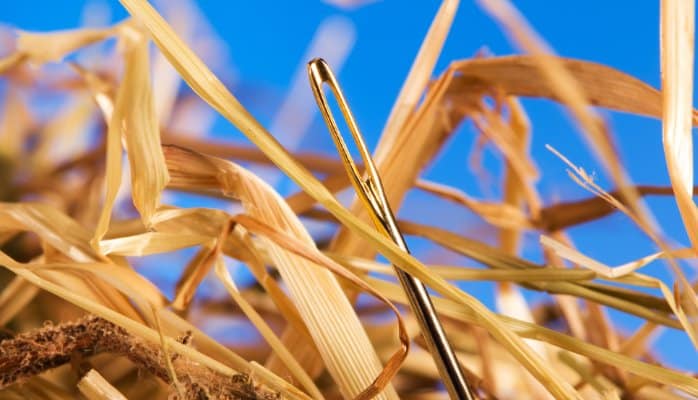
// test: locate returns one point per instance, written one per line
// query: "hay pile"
(66, 253)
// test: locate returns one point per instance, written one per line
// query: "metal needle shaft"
(370, 191)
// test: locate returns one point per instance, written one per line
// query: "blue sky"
(265, 42)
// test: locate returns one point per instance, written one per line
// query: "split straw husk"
(331, 321)
(134, 118)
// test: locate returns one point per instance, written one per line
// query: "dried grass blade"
(114, 113)
(195, 272)
(134, 118)
(42, 48)
(258, 321)
(516, 132)
(677, 55)
(172, 374)
(418, 77)
(149, 174)
(301, 201)
(675, 302)
(11, 61)
(14, 126)
(120, 277)
(55, 228)
(501, 215)
(460, 273)
(573, 255)
(313, 161)
(150, 243)
(14, 297)
(520, 75)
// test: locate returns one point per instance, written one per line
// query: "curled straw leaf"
(134, 118)
(521, 75)
(201, 264)
(236, 244)
(677, 57)
(303, 250)
(209, 222)
(331, 321)
(498, 214)
(195, 272)
(148, 170)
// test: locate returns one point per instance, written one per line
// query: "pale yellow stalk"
(95, 387)
(677, 49)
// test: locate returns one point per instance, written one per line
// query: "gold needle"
(370, 191)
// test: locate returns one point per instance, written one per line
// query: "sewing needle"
(370, 191)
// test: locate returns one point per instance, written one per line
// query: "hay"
(67, 253)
